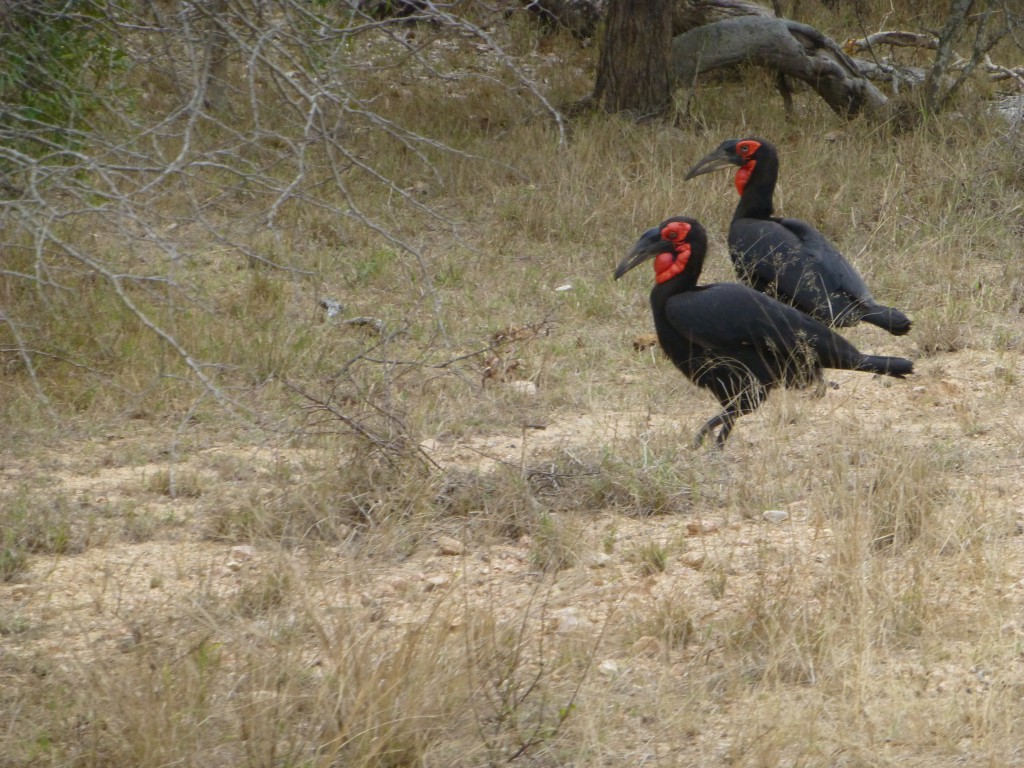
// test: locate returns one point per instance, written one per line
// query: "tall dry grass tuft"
(327, 498)
(387, 701)
(274, 674)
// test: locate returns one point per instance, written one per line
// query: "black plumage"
(734, 341)
(788, 258)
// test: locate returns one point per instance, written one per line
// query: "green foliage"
(555, 540)
(651, 558)
(12, 562)
(53, 58)
(32, 524)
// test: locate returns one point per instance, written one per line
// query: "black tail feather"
(889, 319)
(899, 367)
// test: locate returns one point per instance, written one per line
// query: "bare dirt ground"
(115, 594)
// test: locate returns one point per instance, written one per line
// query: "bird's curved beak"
(716, 161)
(647, 247)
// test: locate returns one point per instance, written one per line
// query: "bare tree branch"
(933, 91)
(895, 38)
(246, 119)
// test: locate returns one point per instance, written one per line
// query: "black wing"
(790, 259)
(774, 341)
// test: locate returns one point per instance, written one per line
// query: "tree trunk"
(633, 69)
(217, 57)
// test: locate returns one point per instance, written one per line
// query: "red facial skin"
(743, 176)
(667, 265)
(746, 149)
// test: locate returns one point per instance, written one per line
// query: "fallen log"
(793, 49)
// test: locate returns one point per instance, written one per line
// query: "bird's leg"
(726, 419)
(704, 431)
(820, 385)
(727, 424)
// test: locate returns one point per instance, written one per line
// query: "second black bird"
(732, 340)
(788, 258)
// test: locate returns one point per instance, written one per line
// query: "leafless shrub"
(230, 137)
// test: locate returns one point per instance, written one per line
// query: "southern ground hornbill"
(731, 339)
(788, 258)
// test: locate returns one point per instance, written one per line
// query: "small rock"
(563, 288)
(919, 389)
(523, 387)
(702, 527)
(775, 515)
(23, 591)
(332, 307)
(694, 560)
(242, 552)
(608, 667)
(233, 565)
(447, 545)
(434, 582)
(395, 586)
(505, 552)
(645, 341)
(648, 645)
(598, 559)
(568, 619)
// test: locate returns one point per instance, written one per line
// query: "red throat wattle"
(667, 265)
(743, 175)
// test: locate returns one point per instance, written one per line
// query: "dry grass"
(268, 584)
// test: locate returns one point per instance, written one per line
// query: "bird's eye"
(747, 148)
(676, 230)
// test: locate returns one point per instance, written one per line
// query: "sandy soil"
(115, 593)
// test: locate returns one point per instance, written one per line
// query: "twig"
(892, 38)
(387, 446)
(997, 72)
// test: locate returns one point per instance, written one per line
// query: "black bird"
(788, 258)
(731, 339)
